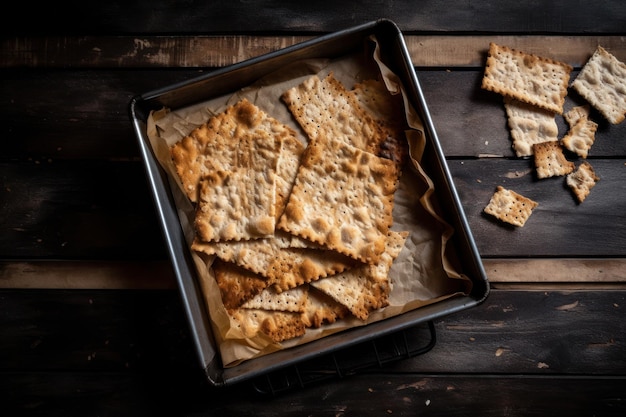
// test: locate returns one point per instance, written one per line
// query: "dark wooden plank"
(119, 17)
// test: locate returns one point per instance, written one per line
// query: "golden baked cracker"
(288, 162)
(510, 207)
(342, 199)
(576, 113)
(293, 299)
(602, 82)
(278, 325)
(322, 309)
(582, 181)
(366, 288)
(209, 147)
(274, 259)
(550, 160)
(529, 78)
(237, 285)
(528, 125)
(580, 137)
(388, 111)
(240, 204)
(324, 107)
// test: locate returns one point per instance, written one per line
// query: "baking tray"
(234, 77)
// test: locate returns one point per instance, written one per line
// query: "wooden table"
(90, 317)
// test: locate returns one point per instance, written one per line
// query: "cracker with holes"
(602, 82)
(343, 199)
(550, 160)
(582, 181)
(529, 78)
(528, 125)
(293, 300)
(510, 207)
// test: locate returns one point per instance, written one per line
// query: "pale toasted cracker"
(529, 124)
(342, 199)
(550, 160)
(582, 181)
(580, 137)
(526, 77)
(366, 288)
(209, 147)
(277, 325)
(576, 113)
(293, 300)
(602, 82)
(510, 207)
(325, 108)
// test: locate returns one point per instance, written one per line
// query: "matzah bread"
(237, 285)
(293, 300)
(580, 137)
(531, 79)
(510, 207)
(550, 160)
(602, 82)
(277, 325)
(321, 309)
(528, 125)
(582, 181)
(576, 113)
(342, 199)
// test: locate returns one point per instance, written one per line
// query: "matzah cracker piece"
(529, 78)
(365, 289)
(602, 82)
(269, 299)
(342, 199)
(576, 113)
(582, 181)
(528, 125)
(321, 309)
(286, 170)
(240, 204)
(580, 137)
(324, 107)
(209, 147)
(510, 207)
(237, 285)
(274, 259)
(550, 160)
(388, 111)
(278, 325)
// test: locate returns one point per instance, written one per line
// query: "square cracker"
(365, 288)
(510, 207)
(580, 137)
(240, 203)
(529, 78)
(342, 199)
(602, 82)
(528, 125)
(550, 160)
(324, 107)
(582, 181)
(209, 147)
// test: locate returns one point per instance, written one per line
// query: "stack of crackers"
(299, 232)
(534, 90)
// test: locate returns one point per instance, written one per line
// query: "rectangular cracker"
(324, 107)
(526, 77)
(366, 288)
(342, 199)
(550, 160)
(580, 137)
(209, 147)
(582, 181)
(510, 207)
(602, 82)
(528, 125)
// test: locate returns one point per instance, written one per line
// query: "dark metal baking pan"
(234, 77)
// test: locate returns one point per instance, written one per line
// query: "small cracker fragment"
(550, 160)
(277, 325)
(342, 199)
(365, 289)
(582, 181)
(602, 82)
(526, 77)
(324, 107)
(580, 137)
(510, 207)
(528, 125)
(576, 113)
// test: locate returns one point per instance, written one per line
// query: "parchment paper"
(425, 271)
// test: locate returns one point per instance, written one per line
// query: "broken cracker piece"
(510, 207)
(550, 160)
(580, 137)
(528, 125)
(582, 181)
